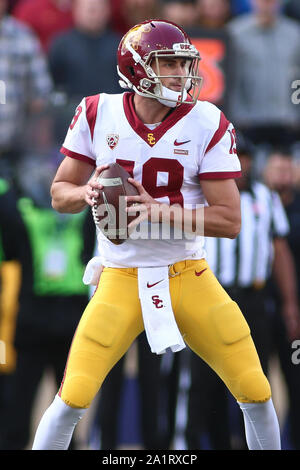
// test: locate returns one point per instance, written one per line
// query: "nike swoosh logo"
(152, 285)
(180, 143)
(200, 272)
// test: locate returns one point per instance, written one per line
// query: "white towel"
(160, 325)
(92, 271)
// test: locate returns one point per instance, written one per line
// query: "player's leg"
(110, 323)
(214, 327)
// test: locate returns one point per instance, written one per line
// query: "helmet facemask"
(151, 85)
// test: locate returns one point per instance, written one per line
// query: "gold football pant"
(211, 323)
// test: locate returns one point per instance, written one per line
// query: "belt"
(174, 269)
(177, 268)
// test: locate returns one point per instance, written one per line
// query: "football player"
(181, 154)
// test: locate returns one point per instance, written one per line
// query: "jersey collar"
(151, 137)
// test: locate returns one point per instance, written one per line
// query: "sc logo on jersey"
(151, 139)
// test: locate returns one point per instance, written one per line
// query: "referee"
(243, 266)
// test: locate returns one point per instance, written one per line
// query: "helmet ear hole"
(131, 71)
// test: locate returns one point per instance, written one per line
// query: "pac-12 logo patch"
(112, 140)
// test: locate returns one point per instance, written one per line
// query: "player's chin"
(176, 87)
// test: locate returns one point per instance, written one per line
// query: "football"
(109, 213)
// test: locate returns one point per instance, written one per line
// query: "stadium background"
(67, 50)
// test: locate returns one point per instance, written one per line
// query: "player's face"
(172, 69)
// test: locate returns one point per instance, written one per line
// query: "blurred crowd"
(53, 53)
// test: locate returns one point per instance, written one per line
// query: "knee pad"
(78, 391)
(229, 323)
(254, 387)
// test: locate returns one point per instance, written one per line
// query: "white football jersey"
(192, 143)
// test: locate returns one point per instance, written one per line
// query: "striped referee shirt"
(247, 260)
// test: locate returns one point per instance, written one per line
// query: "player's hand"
(143, 204)
(93, 187)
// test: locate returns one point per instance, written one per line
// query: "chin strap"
(171, 98)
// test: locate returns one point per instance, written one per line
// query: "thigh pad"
(102, 325)
(229, 323)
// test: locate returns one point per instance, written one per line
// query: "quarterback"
(181, 155)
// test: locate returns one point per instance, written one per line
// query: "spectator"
(52, 294)
(46, 17)
(213, 14)
(127, 13)
(279, 175)
(25, 79)
(243, 267)
(211, 39)
(83, 60)
(267, 60)
(181, 12)
(9, 282)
